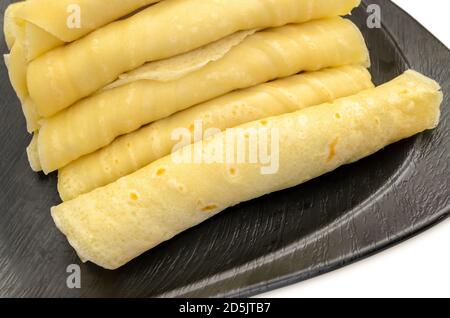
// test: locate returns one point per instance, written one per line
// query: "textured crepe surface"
(45, 22)
(35, 27)
(178, 66)
(11, 27)
(96, 121)
(17, 69)
(65, 75)
(114, 224)
(136, 150)
(164, 70)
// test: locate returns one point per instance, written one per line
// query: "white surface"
(419, 267)
(433, 14)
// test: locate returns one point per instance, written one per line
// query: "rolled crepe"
(16, 65)
(15, 62)
(65, 75)
(17, 69)
(138, 149)
(14, 30)
(47, 24)
(164, 70)
(114, 224)
(12, 27)
(34, 27)
(174, 68)
(96, 121)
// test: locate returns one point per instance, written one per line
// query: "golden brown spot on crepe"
(264, 122)
(332, 151)
(160, 172)
(134, 196)
(233, 171)
(191, 127)
(338, 116)
(209, 208)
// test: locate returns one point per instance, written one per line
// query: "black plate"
(270, 242)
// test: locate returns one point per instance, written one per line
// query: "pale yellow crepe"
(47, 24)
(96, 121)
(16, 65)
(12, 28)
(114, 224)
(138, 149)
(67, 74)
(163, 70)
(178, 66)
(34, 27)
(17, 69)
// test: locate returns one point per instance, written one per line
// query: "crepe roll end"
(418, 77)
(33, 154)
(60, 223)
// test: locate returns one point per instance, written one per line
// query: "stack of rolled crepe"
(104, 100)
(35, 27)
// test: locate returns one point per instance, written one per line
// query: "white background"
(419, 267)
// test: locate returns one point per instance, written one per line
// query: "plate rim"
(211, 286)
